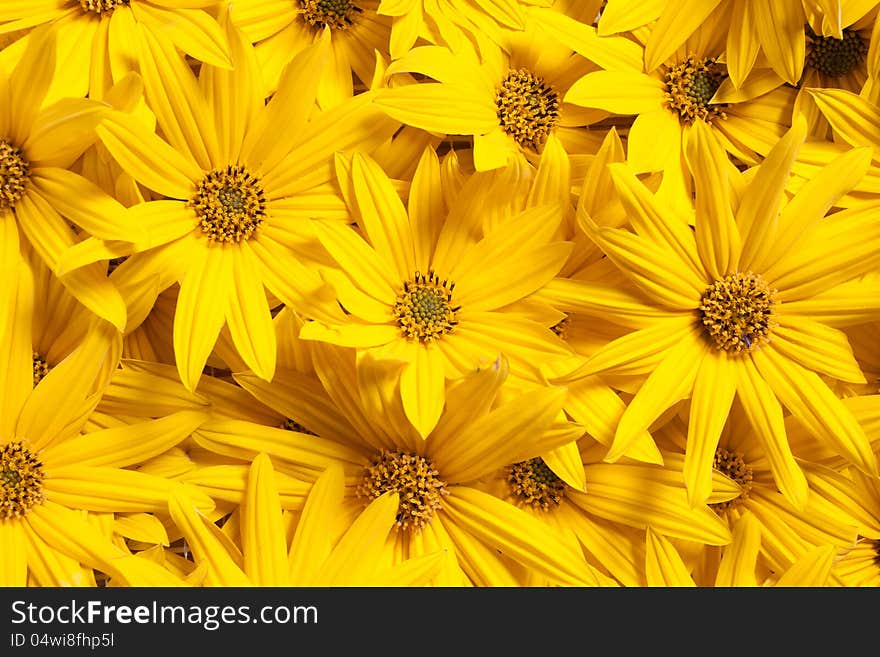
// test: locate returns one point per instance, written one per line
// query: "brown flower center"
(229, 204)
(424, 309)
(733, 465)
(527, 108)
(335, 14)
(41, 368)
(21, 480)
(691, 85)
(13, 175)
(101, 7)
(414, 478)
(737, 312)
(534, 484)
(836, 57)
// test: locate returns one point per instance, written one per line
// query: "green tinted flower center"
(229, 204)
(424, 309)
(13, 175)
(101, 6)
(21, 480)
(527, 108)
(732, 464)
(836, 57)
(335, 14)
(534, 484)
(41, 368)
(737, 312)
(691, 85)
(414, 478)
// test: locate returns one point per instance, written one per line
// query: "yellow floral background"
(500, 293)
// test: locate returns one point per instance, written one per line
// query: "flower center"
(732, 465)
(229, 204)
(424, 309)
(13, 175)
(337, 14)
(21, 480)
(691, 85)
(836, 57)
(534, 484)
(413, 477)
(101, 6)
(41, 368)
(737, 311)
(527, 108)
(293, 425)
(560, 328)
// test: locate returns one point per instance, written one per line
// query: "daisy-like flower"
(611, 510)
(775, 29)
(420, 289)
(50, 471)
(314, 557)
(38, 192)
(745, 482)
(690, 87)
(360, 423)
(239, 179)
(98, 39)
(508, 100)
(745, 306)
(281, 29)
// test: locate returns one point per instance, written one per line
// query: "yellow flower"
(510, 99)
(420, 289)
(360, 424)
(315, 556)
(744, 304)
(49, 470)
(97, 37)
(38, 194)
(240, 177)
(283, 28)
(860, 566)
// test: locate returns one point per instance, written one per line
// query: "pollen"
(737, 312)
(836, 57)
(414, 478)
(732, 464)
(527, 108)
(102, 7)
(229, 204)
(534, 484)
(293, 425)
(13, 175)
(424, 309)
(335, 14)
(691, 85)
(21, 480)
(41, 368)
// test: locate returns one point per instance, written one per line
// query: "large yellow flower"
(281, 29)
(360, 424)
(240, 178)
(423, 290)
(50, 470)
(98, 42)
(38, 192)
(313, 557)
(509, 100)
(748, 300)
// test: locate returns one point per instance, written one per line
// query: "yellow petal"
(677, 22)
(742, 43)
(620, 92)
(16, 373)
(812, 569)
(614, 53)
(739, 561)
(817, 347)
(312, 543)
(780, 27)
(439, 107)
(248, 315)
(664, 566)
(514, 532)
(422, 388)
(30, 81)
(13, 544)
(263, 539)
(192, 30)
